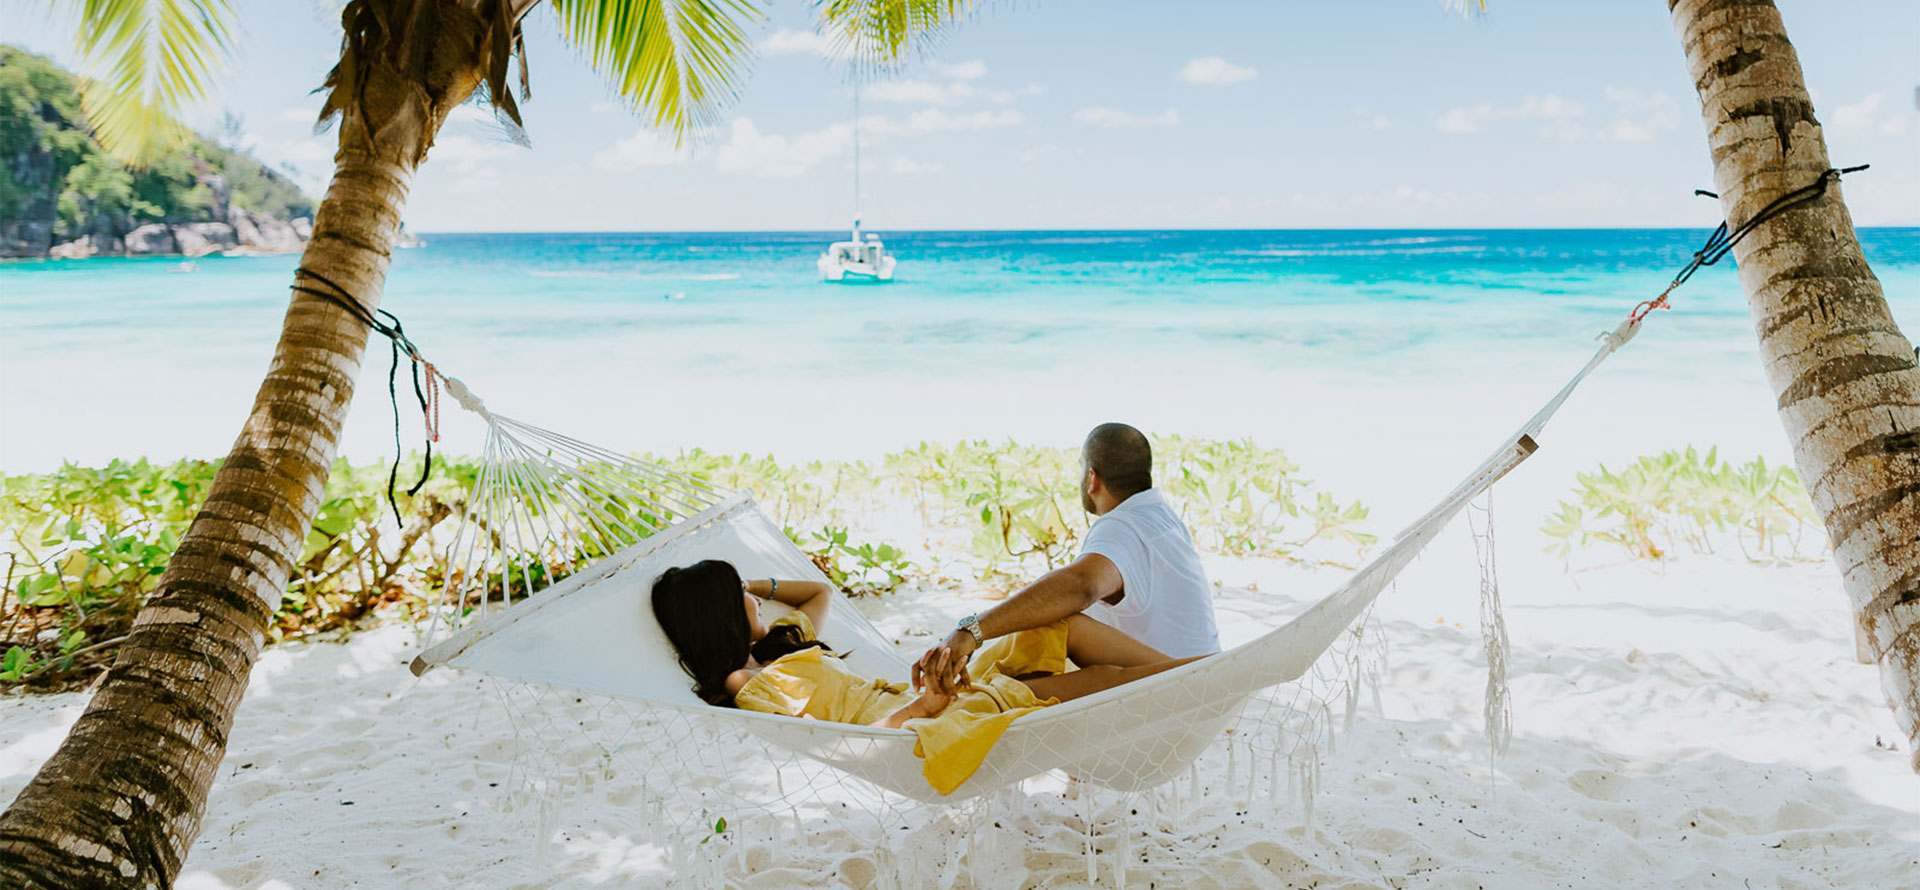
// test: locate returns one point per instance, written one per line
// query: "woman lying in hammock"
(713, 620)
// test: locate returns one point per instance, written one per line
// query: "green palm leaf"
(884, 32)
(680, 62)
(148, 59)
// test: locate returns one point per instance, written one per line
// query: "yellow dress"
(814, 683)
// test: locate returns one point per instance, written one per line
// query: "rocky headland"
(63, 196)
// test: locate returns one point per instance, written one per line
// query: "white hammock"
(540, 493)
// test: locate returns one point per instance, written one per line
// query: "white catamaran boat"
(857, 260)
(861, 258)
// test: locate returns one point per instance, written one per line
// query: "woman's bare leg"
(1090, 642)
(1094, 678)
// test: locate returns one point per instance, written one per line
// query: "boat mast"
(856, 157)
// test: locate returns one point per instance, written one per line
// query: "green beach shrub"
(1242, 499)
(1659, 504)
(83, 547)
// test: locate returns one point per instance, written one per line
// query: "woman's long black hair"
(703, 614)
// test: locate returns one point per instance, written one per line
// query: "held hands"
(931, 703)
(943, 669)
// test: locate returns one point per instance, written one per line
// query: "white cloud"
(472, 112)
(309, 161)
(972, 69)
(909, 166)
(1557, 112)
(917, 92)
(644, 148)
(1857, 116)
(922, 92)
(934, 120)
(1640, 115)
(1862, 118)
(1464, 120)
(473, 162)
(787, 42)
(1371, 119)
(1038, 152)
(1550, 107)
(753, 153)
(1102, 116)
(1214, 71)
(466, 153)
(1032, 89)
(1637, 116)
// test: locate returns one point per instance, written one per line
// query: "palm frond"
(146, 59)
(883, 33)
(680, 62)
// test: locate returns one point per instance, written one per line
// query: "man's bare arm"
(1063, 592)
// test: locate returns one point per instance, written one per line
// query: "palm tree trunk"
(119, 804)
(1845, 378)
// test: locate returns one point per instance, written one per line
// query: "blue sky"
(1287, 113)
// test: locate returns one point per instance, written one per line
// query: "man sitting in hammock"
(1138, 570)
(712, 618)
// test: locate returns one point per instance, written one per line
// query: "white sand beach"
(1704, 725)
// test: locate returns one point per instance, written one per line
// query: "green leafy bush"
(1247, 500)
(1018, 506)
(1661, 503)
(857, 569)
(83, 547)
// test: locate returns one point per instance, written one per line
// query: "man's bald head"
(1122, 457)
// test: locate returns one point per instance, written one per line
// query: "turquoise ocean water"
(140, 356)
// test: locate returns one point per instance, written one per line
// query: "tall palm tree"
(120, 802)
(1844, 376)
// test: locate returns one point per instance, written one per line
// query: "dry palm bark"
(1844, 375)
(120, 802)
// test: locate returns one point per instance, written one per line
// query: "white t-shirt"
(1168, 604)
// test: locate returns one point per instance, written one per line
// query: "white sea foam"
(1360, 251)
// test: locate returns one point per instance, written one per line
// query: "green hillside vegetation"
(59, 184)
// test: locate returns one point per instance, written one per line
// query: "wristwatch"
(971, 624)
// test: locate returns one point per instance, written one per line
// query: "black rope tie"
(387, 325)
(1721, 242)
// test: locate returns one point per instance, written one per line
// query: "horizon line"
(1125, 229)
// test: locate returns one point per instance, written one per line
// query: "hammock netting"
(547, 595)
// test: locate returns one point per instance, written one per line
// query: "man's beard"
(1086, 500)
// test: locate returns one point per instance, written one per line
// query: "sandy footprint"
(1599, 785)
